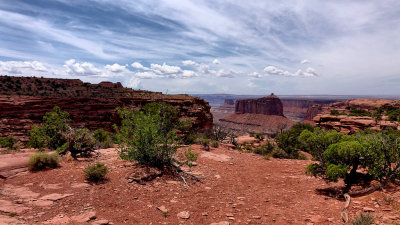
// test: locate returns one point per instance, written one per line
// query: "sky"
(302, 47)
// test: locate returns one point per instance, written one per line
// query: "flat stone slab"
(80, 185)
(20, 192)
(216, 157)
(55, 196)
(6, 220)
(9, 207)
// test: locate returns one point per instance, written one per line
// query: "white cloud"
(189, 63)
(166, 70)
(272, 70)
(188, 74)
(255, 75)
(138, 66)
(83, 69)
(216, 61)
(134, 83)
(115, 68)
(226, 73)
(18, 67)
(305, 61)
(145, 75)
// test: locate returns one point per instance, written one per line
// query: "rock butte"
(24, 101)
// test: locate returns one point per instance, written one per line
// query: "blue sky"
(182, 46)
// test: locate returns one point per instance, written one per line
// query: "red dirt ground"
(240, 188)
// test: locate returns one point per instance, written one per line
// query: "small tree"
(80, 143)
(288, 140)
(52, 132)
(153, 140)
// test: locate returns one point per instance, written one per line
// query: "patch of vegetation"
(151, 137)
(80, 143)
(288, 141)
(214, 144)
(265, 149)
(359, 112)
(52, 133)
(9, 142)
(393, 113)
(190, 157)
(95, 172)
(363, 219)
(334, 112)
(340, 156)
(42, 160)
(259, 137)
(219, 133)
(103, 138)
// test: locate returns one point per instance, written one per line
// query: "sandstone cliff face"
(270, 105)
(346, 123)
(300, 109)
(89, 105)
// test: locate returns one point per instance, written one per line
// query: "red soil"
(241, 188)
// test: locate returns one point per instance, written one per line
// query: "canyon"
(358, 114)
(24, 101)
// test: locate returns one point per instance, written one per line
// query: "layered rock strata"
(342, 120)
(24, 101)
(270, 105)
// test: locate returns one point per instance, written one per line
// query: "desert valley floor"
(236, 188)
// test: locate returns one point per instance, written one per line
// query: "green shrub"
(42, 160)
(9, 142)
(288, 140)
(393, 113)
(219, 133)
(206, 144)
(259, 137)
(214, 144)
(80, 143)
(264, 149)
(153, 140)
(52, 132)
(103, 138)
(95, 172)
(359, 112)
(363, 219)
(279, 153)
(190, 157)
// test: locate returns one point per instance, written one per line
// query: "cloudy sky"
(205, 46)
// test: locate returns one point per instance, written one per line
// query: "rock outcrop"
(301, 109)
(270, 105)
(24, 101)
(339, 115)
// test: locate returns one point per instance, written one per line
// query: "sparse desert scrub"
(80, 142)
(214, 144)
(103, 138)
(95, 172)
(288, 140)
(153, 141)
(43, 160)
(10, 143)
(363, 219)
(51, 133)
(340, 156)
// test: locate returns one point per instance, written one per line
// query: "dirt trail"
(237, 188)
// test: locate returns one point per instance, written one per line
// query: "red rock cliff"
(24, 101)
(270, 105)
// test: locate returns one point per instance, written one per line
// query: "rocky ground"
(236, 188)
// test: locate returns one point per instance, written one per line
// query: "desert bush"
(80, 143)
(393, 113)
(264, 149)
(103, 138)
(288, 140)
(153, 140)
(10, 143)
(219, 133)
(359, 112)
(279, 153)
(206, 144)
(52, 132)
(259, 137)
(42, 160)
(340, 156)
(363, 219)
(95, 172)
(214, 144)
(190, 157)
